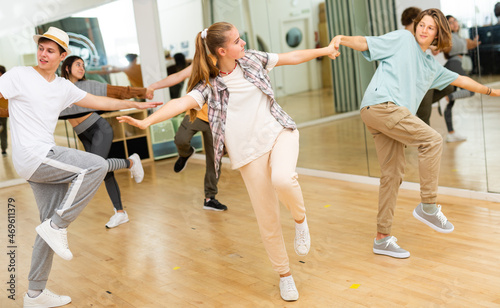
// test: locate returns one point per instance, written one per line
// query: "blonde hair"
(443, 39)
(203, 65)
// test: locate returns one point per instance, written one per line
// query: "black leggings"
(97, 139)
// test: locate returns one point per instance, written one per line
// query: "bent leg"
(183, 137)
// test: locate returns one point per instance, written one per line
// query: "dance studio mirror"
(333, 137)
(323, 96)
(471, 164)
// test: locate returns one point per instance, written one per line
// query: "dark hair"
(203, 66)
(443, 39)
(180, 60)
(66, 66)
(44, 39)
(2, 69)
(131, 57)
(497, 9)
(409, 15)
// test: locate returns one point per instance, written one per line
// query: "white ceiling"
(20, 14)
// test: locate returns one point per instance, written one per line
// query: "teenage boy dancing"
(63, 180)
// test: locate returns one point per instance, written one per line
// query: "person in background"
(405, 73)
(3, 121)
(132, 70)
(183, 137)
(408, 16)
(180, 64)
(95, 132)
(455, 55)
(261, 139)
(497, 12)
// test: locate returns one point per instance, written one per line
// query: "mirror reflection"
(464, 159)
(322, 96)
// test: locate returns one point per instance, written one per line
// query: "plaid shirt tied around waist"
(253, 65)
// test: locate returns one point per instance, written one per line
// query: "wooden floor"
(173, 253)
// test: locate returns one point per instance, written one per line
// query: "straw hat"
(57, 35)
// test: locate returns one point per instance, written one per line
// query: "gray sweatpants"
(63, 185)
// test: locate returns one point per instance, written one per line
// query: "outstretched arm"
(173, 79)
(301, 56)
(107, 103)
(355, 42)
(471, 44)
(126, 92)
(467, 83)
(105, 70)
(169, 110)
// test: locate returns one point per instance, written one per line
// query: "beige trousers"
(392, 128)
(269, 178)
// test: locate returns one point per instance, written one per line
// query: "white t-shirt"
(251, 129)
(34, 108)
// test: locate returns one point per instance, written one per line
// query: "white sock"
(302, 226)
(34, 293)
(383, 239)
(429, 208)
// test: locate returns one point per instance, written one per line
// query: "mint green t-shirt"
(405, 72)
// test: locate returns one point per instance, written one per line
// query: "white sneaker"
(117, 219)
(56, 239)
(288, 290)
(302, 242)
(455, 137)
(46, 299)
(136, 171)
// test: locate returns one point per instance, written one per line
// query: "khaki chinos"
(393, 127)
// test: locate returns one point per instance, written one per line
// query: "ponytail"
(203, 69)
(204, 64)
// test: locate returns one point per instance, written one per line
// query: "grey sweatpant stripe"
(63, 185)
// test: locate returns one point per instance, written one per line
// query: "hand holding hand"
(335, 45)
(150, 92)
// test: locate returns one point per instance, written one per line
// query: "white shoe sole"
(441, 230)
(212, 209)
(289, 300)
(391, 253)
(121, 223)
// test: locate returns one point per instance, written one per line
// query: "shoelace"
(301, 236)
(440, 216)
(64, 238)
(289, 285)
(50, 294)
(392, 241)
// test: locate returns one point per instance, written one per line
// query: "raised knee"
(103, 166)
